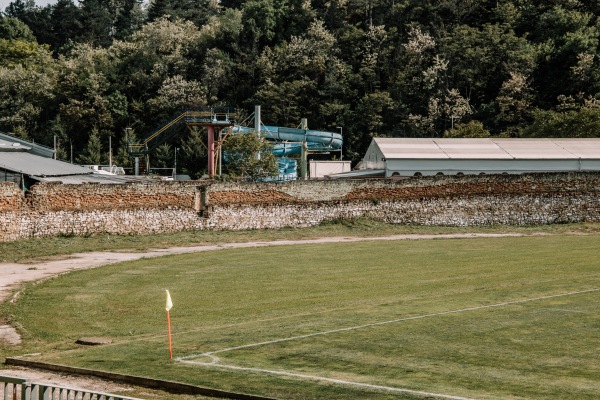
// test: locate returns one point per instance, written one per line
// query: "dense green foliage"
(376, 68)
(249, 156)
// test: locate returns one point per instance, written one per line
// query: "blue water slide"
(289, 140)
(288, 169)
(286, 149)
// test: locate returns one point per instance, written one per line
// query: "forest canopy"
(399, 68)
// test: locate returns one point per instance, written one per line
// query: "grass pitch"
(485, 318)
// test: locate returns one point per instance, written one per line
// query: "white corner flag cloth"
(169, 302)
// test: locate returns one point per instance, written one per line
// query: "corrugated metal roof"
(6, 146)
(544, 149)
(33, 148)
(472, 149)
(488, 148)
(584, 148)
(30, 164)
(415, 148)
(95, 178)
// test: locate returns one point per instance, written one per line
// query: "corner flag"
(169, 302)
(168, 307)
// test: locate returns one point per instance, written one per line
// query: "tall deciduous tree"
(27, 85)
(84, 102)
(36, 18)
(260, 20)
(249, 156)
(13, 28)
(177, 93)
(196, 11)
(297, 74)
(564, 33)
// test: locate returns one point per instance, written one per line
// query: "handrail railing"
(207, 114)
(23, 389)
(218, 116)
(164, 128)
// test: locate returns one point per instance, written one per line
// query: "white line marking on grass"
(215, 361)
(393, 321)
(566, 310)
(324, 379)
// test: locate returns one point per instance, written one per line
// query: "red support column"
(211, 150)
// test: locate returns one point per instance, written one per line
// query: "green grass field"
(485, 318)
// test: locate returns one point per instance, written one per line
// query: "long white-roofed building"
(456, 156)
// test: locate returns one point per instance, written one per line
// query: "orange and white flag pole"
(168, 308)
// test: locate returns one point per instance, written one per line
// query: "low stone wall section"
(54, 196)
(489, 210)
(11, 197)
(51, 209)
(18, 225)
(412, 188)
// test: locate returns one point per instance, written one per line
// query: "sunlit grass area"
(477, 318)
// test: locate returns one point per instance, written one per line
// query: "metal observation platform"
(210, 117)
(285, 141)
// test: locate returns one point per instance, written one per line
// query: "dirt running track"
(13, 275)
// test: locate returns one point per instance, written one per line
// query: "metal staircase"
(203, 116)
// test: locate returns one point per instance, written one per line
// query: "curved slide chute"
(289, 141)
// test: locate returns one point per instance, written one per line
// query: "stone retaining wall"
(11, 197)
(413, 188)
(55, 196)
(56, 209)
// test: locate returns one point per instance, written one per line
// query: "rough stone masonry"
(51, 209)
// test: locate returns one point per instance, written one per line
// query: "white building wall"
(373, 158)
(318, 169)
(408, 167)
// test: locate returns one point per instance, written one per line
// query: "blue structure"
(286, 141)
(289, 141)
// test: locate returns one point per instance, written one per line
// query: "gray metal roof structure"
(26, 163)
(95, 178)
(33, 148)
(432, 156)
(6, 146)
(32, 165)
